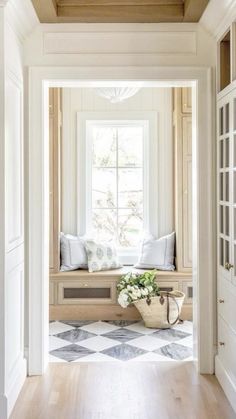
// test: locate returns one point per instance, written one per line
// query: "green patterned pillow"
(101, 256)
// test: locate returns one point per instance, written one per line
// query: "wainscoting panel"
(14, 318)
(13, 283)
(15, 362)
(14, 163)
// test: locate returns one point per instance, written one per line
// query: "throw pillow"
(73, 253)
(101, 256)
(157, 253)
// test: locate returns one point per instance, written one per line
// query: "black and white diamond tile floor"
(118, 341)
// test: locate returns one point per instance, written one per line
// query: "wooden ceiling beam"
(193, 10)
(77, 3)
(119, 11)
(124, 14)
(46, 10)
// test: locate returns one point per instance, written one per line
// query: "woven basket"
(162, 311)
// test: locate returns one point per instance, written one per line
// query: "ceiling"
(122, 11)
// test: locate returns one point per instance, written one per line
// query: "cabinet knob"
(221, 343)
(85, 285)
(221, 300)
(228, 266)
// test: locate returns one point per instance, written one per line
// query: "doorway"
(203, 195)
(117, 174)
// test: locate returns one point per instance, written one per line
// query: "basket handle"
(168, 309)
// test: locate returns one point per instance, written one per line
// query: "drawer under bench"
(93, 296)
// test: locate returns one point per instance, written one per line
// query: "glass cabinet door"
(233, 157)
(224, 185)
(227, 187)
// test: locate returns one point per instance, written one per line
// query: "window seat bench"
(80, 295)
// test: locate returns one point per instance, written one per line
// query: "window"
(116, 182)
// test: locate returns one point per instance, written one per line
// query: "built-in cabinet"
(225, 366)
(226, 282)
(83, 295)
(55, 118)
(182, 123)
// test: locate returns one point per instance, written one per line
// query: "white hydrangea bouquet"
(159, 309)
(135, 286)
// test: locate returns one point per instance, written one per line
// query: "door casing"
(204, 218)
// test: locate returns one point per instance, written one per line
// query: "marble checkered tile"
(118, 341)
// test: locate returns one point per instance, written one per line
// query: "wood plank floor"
(165, 390)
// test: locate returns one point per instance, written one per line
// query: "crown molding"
(21, 17)
(218, 16)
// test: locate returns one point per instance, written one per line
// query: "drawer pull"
(221, 343)
(85, 285)
(221, 300)
(228, 266)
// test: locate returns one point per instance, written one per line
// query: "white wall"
(12, 250)
(158, 100)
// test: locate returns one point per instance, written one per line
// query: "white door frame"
(40, 78)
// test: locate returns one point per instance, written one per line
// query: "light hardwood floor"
(133, 390)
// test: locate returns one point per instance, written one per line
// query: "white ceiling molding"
(218, 16)
(22, 17)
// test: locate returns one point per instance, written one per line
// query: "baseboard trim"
(3, 406)
(8, 400)
(225, 382)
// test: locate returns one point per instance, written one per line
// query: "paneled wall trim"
(126, 42)
(119, 44)
(14, 162)
(183, 176)
(55, 119)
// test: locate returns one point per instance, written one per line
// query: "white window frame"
(85, 121)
